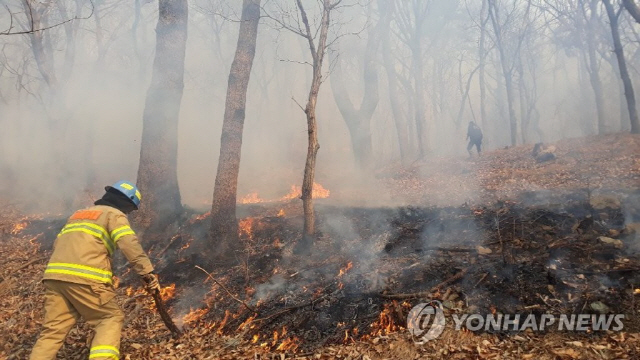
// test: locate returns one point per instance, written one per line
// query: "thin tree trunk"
(507, 72)
(482, 60)
(35, 12)
(317, 54)
(622, 65)
(359, 120)
(402, 125)
(224, 225)
(594, 72)
(524, 128)
(157, 171)
(418, 75)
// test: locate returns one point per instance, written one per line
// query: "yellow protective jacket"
(83, 249)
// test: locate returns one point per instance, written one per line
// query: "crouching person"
(78, 278)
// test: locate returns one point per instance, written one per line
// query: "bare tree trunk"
(35, 12)
(317, 53)
(594, 73)
(157, 171)
(418, 75)
(465, 94)
(622, 65)
(359, 120)
(70, 30)
(507, 72)
(224, 225)
(402, 125)
(522, 92)
(482, 61)
(632, 8)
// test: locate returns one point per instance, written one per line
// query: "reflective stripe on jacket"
(83, 249)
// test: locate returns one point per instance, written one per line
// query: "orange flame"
(194, 315)
(345, 269)
(168, 292)
(246, 322)
(290, 344)
(251, 198)
(18, 227)
(224, 321)
(318, 192)
(385, 324)
(185, 246)
(203, 216)
(245, 226)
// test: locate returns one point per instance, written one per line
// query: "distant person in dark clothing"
(474, 135)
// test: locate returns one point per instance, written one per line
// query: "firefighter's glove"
(151, 281)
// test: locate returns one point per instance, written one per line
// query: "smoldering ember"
(319, 179)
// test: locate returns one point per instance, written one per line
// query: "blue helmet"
(128, 189)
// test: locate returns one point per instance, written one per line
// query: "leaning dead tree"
(224, 225)
(614, 16)
(317, 41)
(157, 171)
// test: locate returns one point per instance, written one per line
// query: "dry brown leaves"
(610, 161)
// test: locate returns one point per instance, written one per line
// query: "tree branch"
(32, 30)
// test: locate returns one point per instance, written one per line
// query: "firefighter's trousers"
(64, 304)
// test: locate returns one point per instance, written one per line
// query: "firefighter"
(474, 135)
(78, 278)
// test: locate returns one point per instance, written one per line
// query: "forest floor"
(499, 234)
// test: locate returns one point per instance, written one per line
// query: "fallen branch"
(295, 307)
(481, 279)
(227, 290)
(132, 299)
(173, 239)
(437, 248)
(448, 281)
(30, 263)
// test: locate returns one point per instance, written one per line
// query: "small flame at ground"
(386, 323)
(18, 227)
(245, 226)
(246, 322)
(345, 269)
(289, 344)
(194, 315)
(252, 198)
(227, 313)
(203, 216)
(318, 192)
(168, 292)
